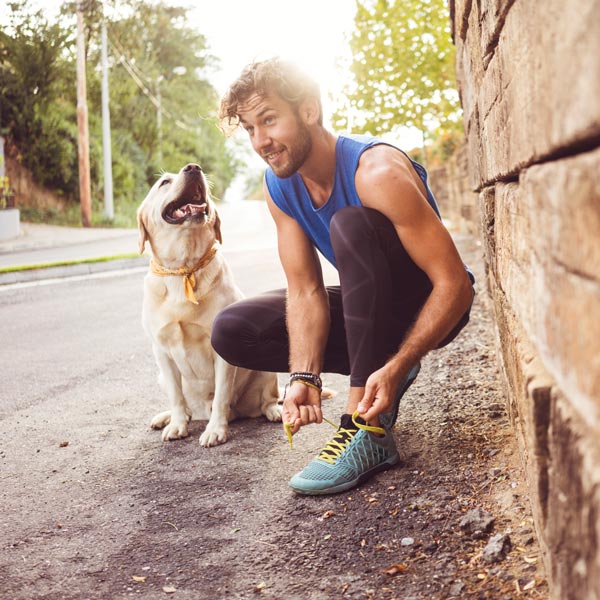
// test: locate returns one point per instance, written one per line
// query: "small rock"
(456, 589)
(477, 522)
(497, 548)
(525, 530)
(407, 541)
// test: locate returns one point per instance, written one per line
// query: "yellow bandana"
(189, 280)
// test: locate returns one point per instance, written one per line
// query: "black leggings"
(380, 295)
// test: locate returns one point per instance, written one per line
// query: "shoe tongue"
(346, 422)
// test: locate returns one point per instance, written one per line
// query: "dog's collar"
(189, 280)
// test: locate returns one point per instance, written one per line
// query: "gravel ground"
(175, 520)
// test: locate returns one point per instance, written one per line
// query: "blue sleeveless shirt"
(292, 197)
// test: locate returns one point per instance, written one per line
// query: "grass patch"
(66, 263)
(70, 216)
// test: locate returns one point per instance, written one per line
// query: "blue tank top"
(292, 197)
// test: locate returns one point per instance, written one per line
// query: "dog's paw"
(272, 412)
(175, 431)
(213, 436)
(161, 420)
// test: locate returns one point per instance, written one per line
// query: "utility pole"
(85, 194)
(106, 144)
(159, 121)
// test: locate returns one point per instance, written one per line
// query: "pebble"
(497, 548)
(456, 588)
(477, 522)
(407, 541)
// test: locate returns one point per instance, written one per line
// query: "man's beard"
(296, 153)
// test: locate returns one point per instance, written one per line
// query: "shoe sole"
(412, 377)
(348, 485)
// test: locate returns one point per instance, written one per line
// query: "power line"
(137, 78)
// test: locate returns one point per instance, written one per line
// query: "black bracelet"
(312, 379)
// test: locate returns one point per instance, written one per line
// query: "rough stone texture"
(450, 186)
(526, 88)
(529, 87)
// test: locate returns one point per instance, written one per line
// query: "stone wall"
(450, 186)
(529, 81)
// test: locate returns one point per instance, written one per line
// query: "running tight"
(380, 295)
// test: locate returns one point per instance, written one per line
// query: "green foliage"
(155, 58)
(402, 69)
(36, 110)
(442, 147)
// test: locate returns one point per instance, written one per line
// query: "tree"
(402, 69)
(156, 59)
(37, 108)
(160, 67)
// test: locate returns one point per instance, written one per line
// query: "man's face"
(277, 133)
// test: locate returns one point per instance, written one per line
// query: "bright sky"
(312, 33)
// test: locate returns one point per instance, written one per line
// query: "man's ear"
(143, 232)
(310, 110)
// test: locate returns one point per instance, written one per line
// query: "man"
(403, 287)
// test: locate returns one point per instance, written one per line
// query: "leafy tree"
(402, 69)
(37, 104)
(155, 59)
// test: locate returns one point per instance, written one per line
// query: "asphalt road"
(77, 394)
(94, 505)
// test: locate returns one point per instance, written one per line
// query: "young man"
(403, 287)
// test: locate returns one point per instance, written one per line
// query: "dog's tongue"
(187, 210)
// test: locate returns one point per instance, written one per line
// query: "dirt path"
(118, 514)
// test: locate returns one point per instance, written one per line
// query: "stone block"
(573, 531)
(459, 15)
(532, 101)
(10, 223)
(493, 13)
(545, 255)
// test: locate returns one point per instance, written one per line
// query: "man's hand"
(301, 406)
(379, 392)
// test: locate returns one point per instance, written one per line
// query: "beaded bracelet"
(309, 379)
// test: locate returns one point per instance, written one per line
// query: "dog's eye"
(164, 182)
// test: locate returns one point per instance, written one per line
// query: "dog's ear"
(143, 232)
(217, 226)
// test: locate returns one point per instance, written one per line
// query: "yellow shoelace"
(335, 446)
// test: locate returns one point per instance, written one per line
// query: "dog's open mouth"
(184, 209)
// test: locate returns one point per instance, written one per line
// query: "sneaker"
(388, 420)
(351, 457)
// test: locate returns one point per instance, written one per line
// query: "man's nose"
(261, 139)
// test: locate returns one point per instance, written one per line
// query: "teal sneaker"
(351, 457)
(388, 420)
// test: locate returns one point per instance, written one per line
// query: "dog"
(187, 285)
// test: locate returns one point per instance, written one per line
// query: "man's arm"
(387, 182)
(307, 314)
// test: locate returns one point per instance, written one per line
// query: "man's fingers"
(290, 412)
(367, 400)
(310, 414)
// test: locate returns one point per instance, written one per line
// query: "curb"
(58, 272)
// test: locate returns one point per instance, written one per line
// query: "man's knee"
(225, 330)
(351, 224)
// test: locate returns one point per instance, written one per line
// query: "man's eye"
(164, 182)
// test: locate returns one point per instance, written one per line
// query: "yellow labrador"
(187, 285)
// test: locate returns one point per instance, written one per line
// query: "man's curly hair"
(271, 76)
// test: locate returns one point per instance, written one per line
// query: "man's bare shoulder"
(383, 164)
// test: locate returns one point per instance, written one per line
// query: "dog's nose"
(191, 167)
